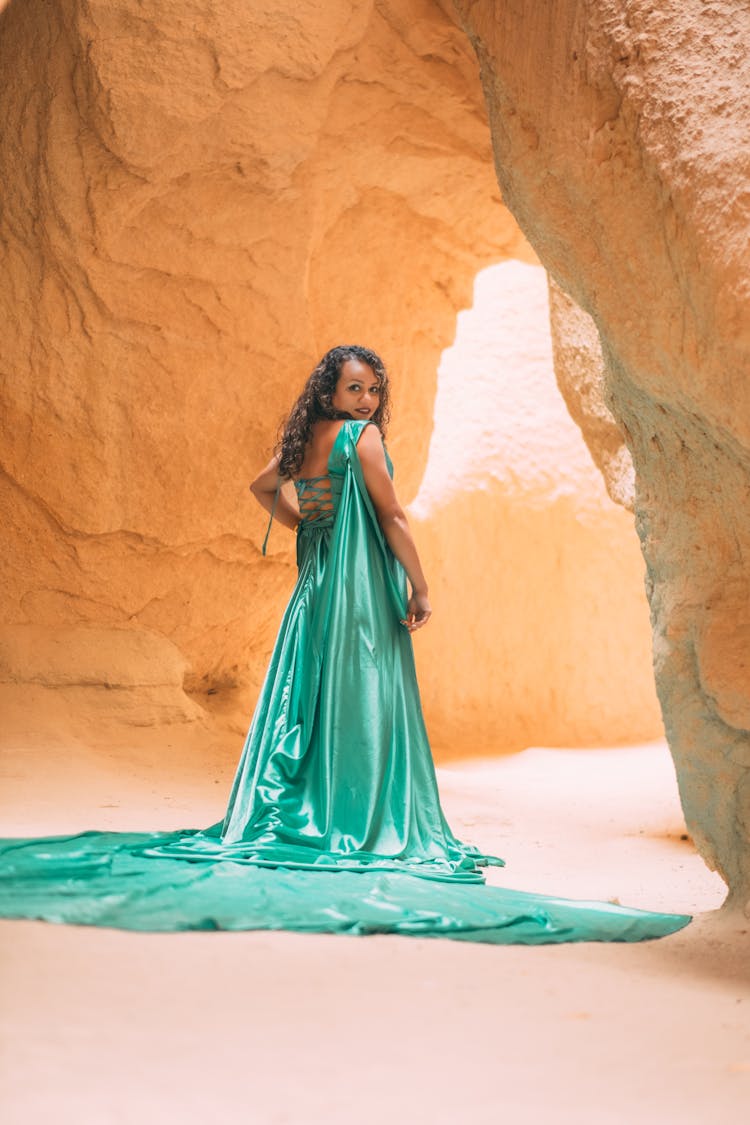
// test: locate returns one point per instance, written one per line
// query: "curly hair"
(315, 402)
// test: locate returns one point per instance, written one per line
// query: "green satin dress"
(334, 821)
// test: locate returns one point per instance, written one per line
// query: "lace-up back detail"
(319, 497)
(315, 500)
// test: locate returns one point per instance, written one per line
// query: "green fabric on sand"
(334, 821)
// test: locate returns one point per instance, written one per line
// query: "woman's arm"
(263, 489)
(393, 521)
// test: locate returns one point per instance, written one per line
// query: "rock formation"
(621, 146)
(197, 203)
(199, 200)
(579, 368)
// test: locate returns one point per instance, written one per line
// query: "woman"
(347, 383)
(336, 770)
(334, 807)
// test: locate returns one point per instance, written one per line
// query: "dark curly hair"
(315, 402)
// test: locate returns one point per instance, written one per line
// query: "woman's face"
(357, 390)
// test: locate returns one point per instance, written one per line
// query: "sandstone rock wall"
(579, 369)
(198, 200)
(622, 146)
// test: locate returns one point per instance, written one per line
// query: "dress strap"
(273, 509)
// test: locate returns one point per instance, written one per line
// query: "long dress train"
(334, 821)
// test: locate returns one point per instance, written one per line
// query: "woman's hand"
(418, 612)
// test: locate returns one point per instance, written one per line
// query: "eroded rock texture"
(622, 146)
(198, 200)
(579, 369)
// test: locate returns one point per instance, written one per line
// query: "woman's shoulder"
(368, 442)
(353, 428)
(361, 434)
(354, 438)
(359, 426)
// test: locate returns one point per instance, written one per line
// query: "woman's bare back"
(315, 463)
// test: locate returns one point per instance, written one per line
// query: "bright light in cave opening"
(499, 415)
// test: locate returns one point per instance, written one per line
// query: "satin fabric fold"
(336, 770)
(108, 879)
(335, 789)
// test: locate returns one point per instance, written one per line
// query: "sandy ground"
(102, 1026)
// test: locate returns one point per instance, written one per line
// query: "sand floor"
(103, 1026)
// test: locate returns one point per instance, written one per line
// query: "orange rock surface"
(621, 145)
(195, 208)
